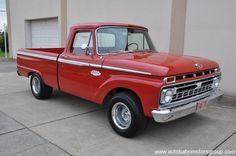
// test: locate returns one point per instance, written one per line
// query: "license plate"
(201, 105)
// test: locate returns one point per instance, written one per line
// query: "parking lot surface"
(68, 125)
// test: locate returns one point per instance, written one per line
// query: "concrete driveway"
(68, 125)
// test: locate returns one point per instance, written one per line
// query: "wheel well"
(118, 90)
(30, 73)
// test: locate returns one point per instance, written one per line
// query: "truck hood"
(158, 63)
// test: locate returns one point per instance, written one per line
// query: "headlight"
(216, 82)
(166, 95)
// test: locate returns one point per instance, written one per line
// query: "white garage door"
(44, 33)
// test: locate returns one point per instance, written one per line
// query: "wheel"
(125, 114)
(38, 88)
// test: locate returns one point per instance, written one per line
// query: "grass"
(2, 54)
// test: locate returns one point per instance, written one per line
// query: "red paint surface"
(78, 81)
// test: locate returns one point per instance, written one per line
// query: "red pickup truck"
(117, 65)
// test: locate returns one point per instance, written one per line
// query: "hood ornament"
(198, 66)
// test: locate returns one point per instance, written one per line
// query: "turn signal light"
(171, 79)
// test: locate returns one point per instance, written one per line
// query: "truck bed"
(39, 60)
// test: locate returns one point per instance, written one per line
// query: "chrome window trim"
(104, 54)
(37, 56)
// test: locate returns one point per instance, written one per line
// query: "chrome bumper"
(165, 115)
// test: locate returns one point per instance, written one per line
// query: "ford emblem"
(198, 66)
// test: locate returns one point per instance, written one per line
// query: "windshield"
(122, 39)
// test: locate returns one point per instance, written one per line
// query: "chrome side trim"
(37, 55)
(126, 70)
(77, 63)
(95, 65)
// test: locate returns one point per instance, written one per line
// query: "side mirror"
(85, 48)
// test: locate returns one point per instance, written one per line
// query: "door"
(74, 66)
(44, 33)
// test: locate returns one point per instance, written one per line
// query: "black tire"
(138, 121)
(43, 91)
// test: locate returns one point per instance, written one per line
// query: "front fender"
(147, 90)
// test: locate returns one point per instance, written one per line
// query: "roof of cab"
(97, 25)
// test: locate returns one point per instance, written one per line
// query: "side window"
(80, 39)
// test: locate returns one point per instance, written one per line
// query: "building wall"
(193, 27)
(154, 14)
(22, 10)
(211, 33)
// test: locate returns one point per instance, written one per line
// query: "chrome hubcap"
(36, 85)
(121, 115)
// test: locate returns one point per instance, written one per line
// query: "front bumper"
(170, 114)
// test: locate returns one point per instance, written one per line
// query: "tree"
(2, 41)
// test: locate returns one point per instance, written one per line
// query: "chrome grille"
(190, 91)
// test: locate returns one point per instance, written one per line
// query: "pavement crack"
(27, 149)
(27, 128)
(45, 123)
(222, 142)
(50, 142)
(12, 131)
